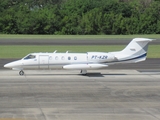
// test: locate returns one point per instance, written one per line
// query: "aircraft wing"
(84, 66)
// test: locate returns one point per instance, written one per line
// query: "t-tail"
(135, 51)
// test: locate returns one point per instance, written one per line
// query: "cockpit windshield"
(29, 57)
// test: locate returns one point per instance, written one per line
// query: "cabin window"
(56, 57)
(62, 58)
(30, 57)
(75, 58)
(69, 58)
(50, 58)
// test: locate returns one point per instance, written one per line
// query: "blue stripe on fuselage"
(141, 56)
(144, 55)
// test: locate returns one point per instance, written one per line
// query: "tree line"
(72, 17)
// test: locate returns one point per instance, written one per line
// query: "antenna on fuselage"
(68, 51)
(55, 51)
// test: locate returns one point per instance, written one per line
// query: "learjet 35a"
(135, 51)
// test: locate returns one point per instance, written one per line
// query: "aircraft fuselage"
(62, 60)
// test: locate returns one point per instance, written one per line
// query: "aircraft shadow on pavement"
(99, 74)
(47, 74)
(87, 75)
(92, 75)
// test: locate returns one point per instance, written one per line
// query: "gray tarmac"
(67, 95)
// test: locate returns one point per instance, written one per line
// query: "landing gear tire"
(83, 72)
(21, 72)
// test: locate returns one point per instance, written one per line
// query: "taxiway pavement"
(67, 95)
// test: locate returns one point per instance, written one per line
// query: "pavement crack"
(36, 99)
(150, 113)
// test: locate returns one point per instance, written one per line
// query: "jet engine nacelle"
(100, 57)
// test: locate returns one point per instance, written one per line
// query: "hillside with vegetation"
(83, 17)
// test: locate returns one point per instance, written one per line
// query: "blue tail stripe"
(144, 55)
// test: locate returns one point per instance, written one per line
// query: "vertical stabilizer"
(135, 51)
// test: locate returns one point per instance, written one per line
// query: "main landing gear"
(21, 72)
(83, 72)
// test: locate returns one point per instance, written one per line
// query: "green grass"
(9, 51)
(75, 37)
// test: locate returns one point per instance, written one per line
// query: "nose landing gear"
(21, 72)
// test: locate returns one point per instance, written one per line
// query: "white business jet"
(135, 51)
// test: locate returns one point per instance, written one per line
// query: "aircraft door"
(44, 61)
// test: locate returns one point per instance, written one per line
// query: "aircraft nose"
(8, 65)
(13, 64)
